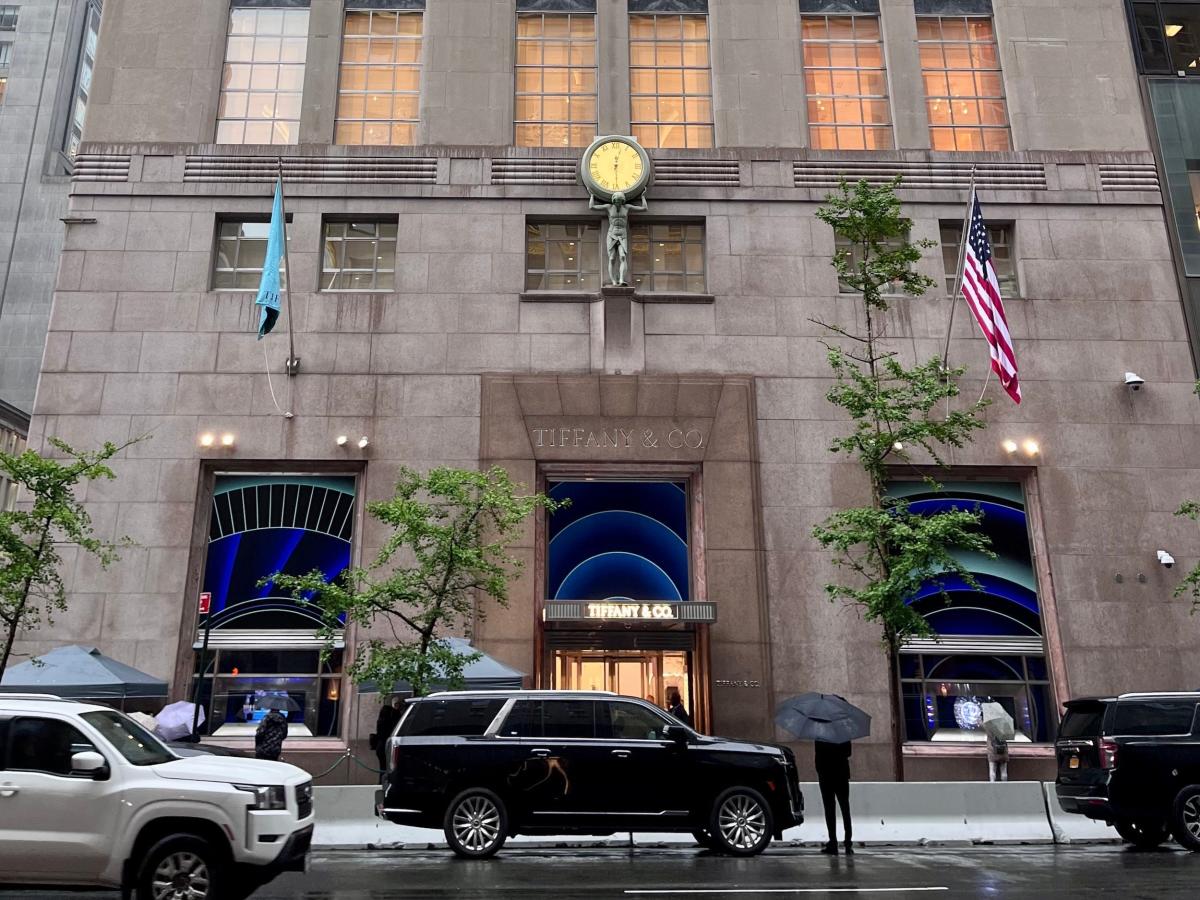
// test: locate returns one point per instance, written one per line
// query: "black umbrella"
(277, 701)
(822, 717)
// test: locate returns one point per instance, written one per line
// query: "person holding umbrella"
(833, 723)
(999, 727)
(272, 731)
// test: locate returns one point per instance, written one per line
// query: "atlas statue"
(618, 234)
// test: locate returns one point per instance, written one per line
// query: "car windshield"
(130, 739)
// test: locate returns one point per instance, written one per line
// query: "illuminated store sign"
(610, 610)
(651, 612)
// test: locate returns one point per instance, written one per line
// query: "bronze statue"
(618, 234)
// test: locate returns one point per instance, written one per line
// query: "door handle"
(7, 790)
(540, 752)
(621, 754)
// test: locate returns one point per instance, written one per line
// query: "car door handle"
(540, 752)
(7, 790)
(621, 754)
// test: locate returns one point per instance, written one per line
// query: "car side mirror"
(91, 764)
(676, 733)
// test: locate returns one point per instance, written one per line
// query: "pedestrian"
(676, 708)
(997, 755)
(833, 775)
(269, 737)
(389, 717)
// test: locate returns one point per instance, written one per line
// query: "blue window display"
(619, 540)
(991, 641)
(264, 647)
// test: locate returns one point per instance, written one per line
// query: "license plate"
(1073, 763)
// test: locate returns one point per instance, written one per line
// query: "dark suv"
(1134, 762)
(486, 765)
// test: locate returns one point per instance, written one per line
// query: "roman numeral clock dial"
(616, 164)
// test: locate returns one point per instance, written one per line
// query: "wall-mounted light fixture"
(342, 440)
(1031, 448)
(1010, 446)
(227, 439)
(207, 439)
(363, 442)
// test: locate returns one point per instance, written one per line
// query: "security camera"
(1134, 381)
(1165, 559)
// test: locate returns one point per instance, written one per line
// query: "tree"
(890, 551)
(1191, 581)
(31, 537)
(448, 549)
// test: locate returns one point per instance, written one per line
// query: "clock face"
(615, 166)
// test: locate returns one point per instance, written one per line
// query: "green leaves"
(1190, 584)
(447, 549)
(48, 518)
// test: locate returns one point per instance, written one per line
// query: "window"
(846, 82)
(263, 79)
(1000, 235)
(438, 718)
(131, 740)
(83, 81)
(964, 87)
(1167, 36)
(5, 54)
(524, 720)
(44, 745)
(670, 83)
(842, 244)
(360, 255)
(1151, 717)
(264, 647)
(380, 84)
(991, 645)
(3, 88)
(631, 722)
(241, 252)
(556, 80)
(8, 16)
(569, 719)
(667, 257)
(562, 256)
(11, 442)
(1082, 720)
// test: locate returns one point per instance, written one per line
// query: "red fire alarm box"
(205, 602)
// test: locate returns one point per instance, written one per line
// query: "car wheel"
(703, 838)
(1185, 817)
(476, 824)
(182, 867)
(741, 822)
(1145, 835)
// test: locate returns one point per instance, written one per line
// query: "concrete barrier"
(883, 812)
(1069, 828)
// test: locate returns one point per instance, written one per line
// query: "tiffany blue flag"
(268, 288)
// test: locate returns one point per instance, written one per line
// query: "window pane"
(555, 80)
(276, 42)
(44, 745)
(843, 62)
(963, 84)
(379, 102)
(568, 719)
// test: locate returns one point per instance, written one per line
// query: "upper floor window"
(380, 85)
(556, 80)
(241, 252)
(846, 82)
(1000, 236)
(360, 255)
(670, 80)
(8, 16)
(5, 54)
(83, 80)
(562, 256)
(1167, 36)
(964, 87)
(263, 79)
(3, 88)
(667, 257)
(854, 255)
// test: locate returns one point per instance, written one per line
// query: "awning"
(664, 612)
(81, 673)
(484, 674)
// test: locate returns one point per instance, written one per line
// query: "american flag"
(982, 290)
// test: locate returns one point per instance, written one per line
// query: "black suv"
(1134, 762)
(484, 765)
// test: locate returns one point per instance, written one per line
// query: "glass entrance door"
(645, 673)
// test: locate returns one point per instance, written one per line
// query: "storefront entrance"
(644, 674)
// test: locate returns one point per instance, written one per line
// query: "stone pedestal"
(618, 332)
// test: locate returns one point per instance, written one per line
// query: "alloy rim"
(476, 823)
(742, 822)
(181, 876)
(1191, 816)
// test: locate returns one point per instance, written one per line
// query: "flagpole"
(958, 273)
(292, 366)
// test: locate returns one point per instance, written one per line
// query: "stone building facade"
(446, 306)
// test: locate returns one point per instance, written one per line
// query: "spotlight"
(362, 442)
(206, 439)
(227, 439)
(1032, 448)
(1009, 446)
(898, 447)
(341, 440)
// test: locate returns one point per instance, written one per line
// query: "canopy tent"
(81, 673)
(484, 674)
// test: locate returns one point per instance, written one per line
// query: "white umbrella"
(175, 720)
(997, 722)
(146, 720)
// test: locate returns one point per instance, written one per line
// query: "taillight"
(1108, 754)
(396, 755)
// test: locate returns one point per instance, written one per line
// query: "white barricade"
(1070, 828)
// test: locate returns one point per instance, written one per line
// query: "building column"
(906, 89)
(612, 65)
(319, 107)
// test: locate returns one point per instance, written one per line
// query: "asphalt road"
(928, 872)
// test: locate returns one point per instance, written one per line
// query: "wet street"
(935, 872)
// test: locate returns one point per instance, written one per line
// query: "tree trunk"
(16, 619)
(897, 710)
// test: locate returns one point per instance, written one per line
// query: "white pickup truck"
(90, 798)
